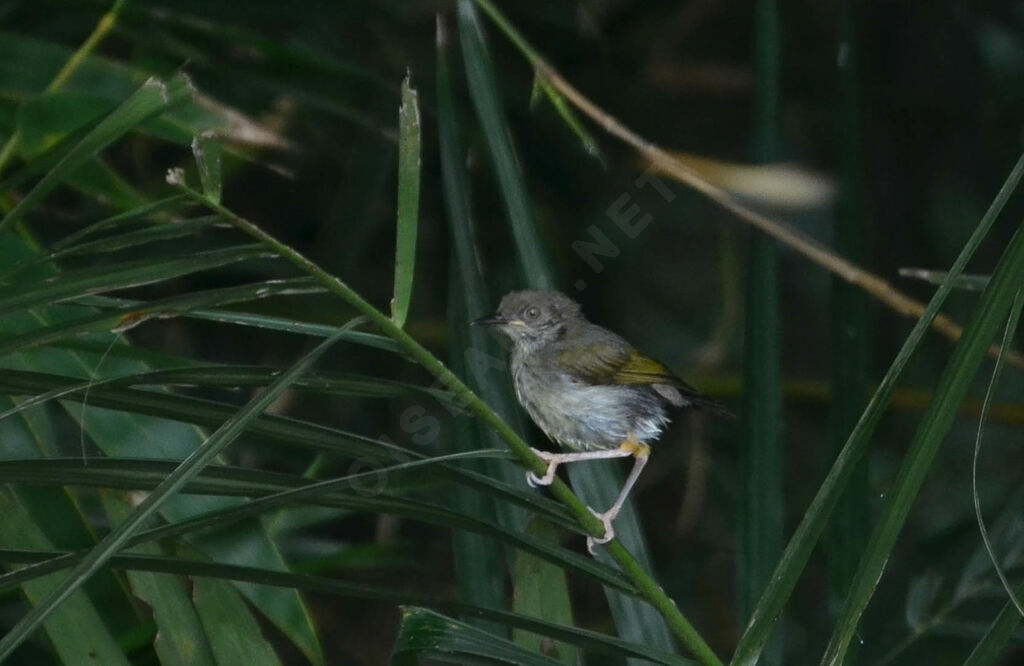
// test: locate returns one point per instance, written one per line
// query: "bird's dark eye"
(532, 313)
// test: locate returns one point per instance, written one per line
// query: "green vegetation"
(244, 419)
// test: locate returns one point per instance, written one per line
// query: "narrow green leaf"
(850, 335)
(408, 201)
(479, 561)
(1008, 336)
(972, 348)
(476, 354)
(802, 543)
(256, 320)
(427, 635)
(46, 120)
(180, 640)
(540, 590)
(760, 515)
(234, 633)
(277, 491)
(588, 640)
(188, 469)
(206, 150)
(483, 88)
(151, 99)
(126, 318)
(990, 648)
(968, 282)
(65, 286)
(568, 115)
(76, 630)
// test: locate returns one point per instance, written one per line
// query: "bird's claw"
(535, 481)
(609, 531)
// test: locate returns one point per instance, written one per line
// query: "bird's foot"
(535, 481)
(606, 519)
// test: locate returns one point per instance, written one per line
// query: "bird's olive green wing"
(601, 363)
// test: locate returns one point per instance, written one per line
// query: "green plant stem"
(106, 23)
(645, 584)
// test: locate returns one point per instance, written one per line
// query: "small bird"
(587, 388)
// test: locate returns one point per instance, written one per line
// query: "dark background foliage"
(939, 107)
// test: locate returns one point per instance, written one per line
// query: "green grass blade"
(479, 562)
(760, 528)
(279, 491)
(258, 320)
(77, 628)
(188, 469)
(125, 318)
(760, 514)
(540, 590)
(848, 531)
(991, 646)
(585, 639)
(1008, 335)
(427, 636)
(152, 98)
(800, 545)
(972, 348)
(98, 279)
(180, 639)
(487, 101)
(408, 202)
(206, 150)
(479, 355)
(235, 636)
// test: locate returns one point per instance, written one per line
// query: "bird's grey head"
(533, 318)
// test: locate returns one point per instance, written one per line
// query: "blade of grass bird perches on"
(188, 469)
(408, 201)
(1008, 335)
(659, 158)
(815, 518)
(154, 97)
(648, 587)
(598, 484)
(953, 385)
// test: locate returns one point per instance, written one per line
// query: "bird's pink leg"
(555, 459)
(642, 453)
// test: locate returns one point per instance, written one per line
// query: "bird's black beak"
(490, 320)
